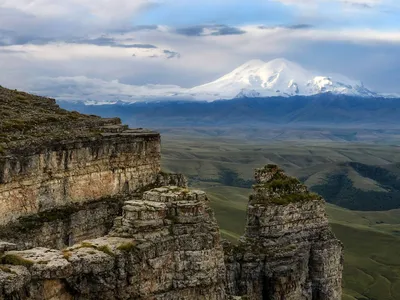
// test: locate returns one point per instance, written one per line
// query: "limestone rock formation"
(165, 246)
(65, 176)
(86, 213)
(288, 250)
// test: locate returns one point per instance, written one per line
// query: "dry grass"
(29, 120)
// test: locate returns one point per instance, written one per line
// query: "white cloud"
(313, 2)
(105, 70)
(67, 52)
(98, 90)
(203, 58)
(61, 18)
(355, 36)
(105, 9)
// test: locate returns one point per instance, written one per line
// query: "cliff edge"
(86, 213)
(288, 250)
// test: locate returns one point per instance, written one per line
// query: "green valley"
(354, 175)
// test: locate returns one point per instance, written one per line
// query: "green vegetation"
(104, 248)
(286, 199)
(280, 189)
(229, 205)
(29, 223)
(280, 183)
(127, 247)
(29, 121)
(16, 260)
(371, 242)
(342, 187)
(371, 238)
(372, 267)
(205, 160)
(231, 178)
(5, 269)
(226, 177)
(24, 225)
(86, 245)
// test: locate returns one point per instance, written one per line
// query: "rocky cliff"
(64, 176)
(165, 246)
(87, 214)
(288, 250)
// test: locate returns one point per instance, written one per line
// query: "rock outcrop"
(86, 213)
(165, 246)
(288, 250)
(64, 176)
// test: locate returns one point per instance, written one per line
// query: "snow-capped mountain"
(278, 77)
(253, 79)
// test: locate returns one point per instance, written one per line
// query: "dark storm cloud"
(200, 30)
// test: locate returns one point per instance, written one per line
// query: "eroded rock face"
(69, 224)
(165, 246)
(85, 213)
(77, 172)
(288, 250)
(72, 190)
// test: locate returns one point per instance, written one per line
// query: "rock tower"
(86, 213)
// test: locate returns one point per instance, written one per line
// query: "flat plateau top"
(29, 121)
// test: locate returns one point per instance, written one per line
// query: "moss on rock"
(127, 247)
(16, 260)
(275, 187)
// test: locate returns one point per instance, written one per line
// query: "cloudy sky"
(86, 49)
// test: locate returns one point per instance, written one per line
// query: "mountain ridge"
(321, 109)
(279, 77)
(254, 79)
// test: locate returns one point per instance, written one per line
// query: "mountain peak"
(278, 64)
(253, 63)
(281, 62)
(278, 77)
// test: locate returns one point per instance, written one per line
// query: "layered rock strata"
(288, 250)
(165, 246)
(77, 172)
(74, 222)
(87, 214)
(73, 190)
(64, 176)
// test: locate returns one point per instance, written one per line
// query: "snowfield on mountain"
(279, 77)
(254, 79)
